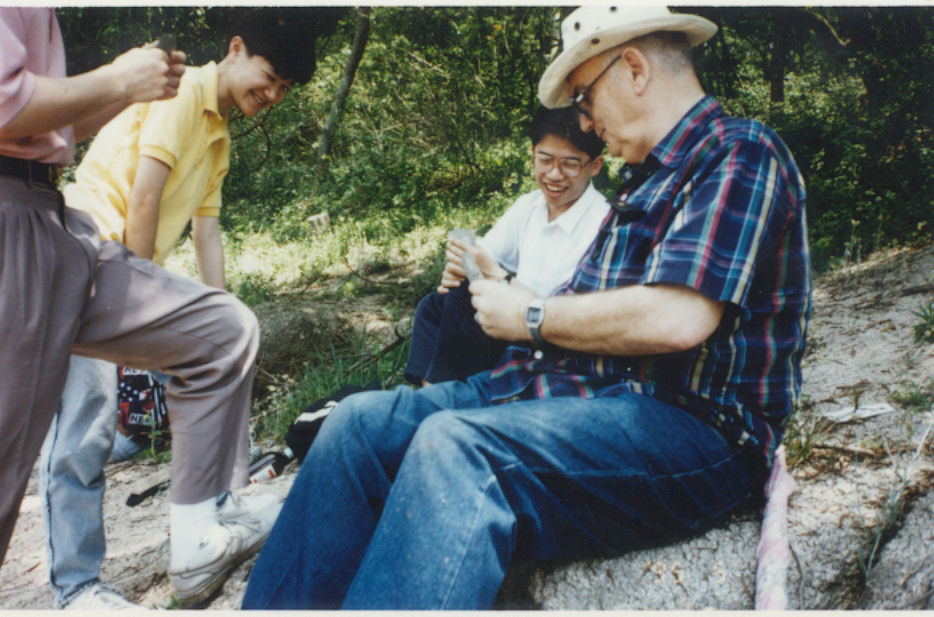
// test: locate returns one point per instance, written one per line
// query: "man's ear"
(638, 68)
(235, 46)
(597, 166)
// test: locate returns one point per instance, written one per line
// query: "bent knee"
(240, 322)
(444, 431)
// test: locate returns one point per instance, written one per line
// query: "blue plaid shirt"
(723, 205)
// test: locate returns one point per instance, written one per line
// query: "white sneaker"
(243, 524)
(265, 508)
(96, 598)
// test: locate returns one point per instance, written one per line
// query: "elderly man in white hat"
(641, 402)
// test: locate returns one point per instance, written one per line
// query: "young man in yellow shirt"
(150, 171)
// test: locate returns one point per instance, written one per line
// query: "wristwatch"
(534, 315)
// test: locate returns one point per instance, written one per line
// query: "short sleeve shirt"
(31, 45)
(724, 215)
(187, 133)
(544, 253)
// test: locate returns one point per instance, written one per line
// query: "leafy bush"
(924, 331)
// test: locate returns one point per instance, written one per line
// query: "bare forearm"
(142, 217)
(60, 102)
(142, 221)
(137, 75)
(90, 125)
(209, 250)
(636, 320)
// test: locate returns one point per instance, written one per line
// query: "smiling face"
(251, 82)
(555, 161)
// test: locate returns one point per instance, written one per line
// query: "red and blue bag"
(142, 413)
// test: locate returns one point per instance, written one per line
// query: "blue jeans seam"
(473, 527)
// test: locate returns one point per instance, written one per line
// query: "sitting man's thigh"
(627, 458)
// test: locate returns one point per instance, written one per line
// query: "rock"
(714, 570)
(903, 578)
(291, 334)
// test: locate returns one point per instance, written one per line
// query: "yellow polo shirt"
(187, 133)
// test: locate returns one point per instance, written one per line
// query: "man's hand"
(501, 309)
(453, 274)
(148, 73)
(90, 100)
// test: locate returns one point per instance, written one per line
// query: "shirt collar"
(670, 151)
(570, 217)
(210, 88)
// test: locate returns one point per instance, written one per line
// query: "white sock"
(187, 524)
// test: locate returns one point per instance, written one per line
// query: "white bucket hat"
(591, 30)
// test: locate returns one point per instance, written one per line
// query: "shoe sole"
(203, 590)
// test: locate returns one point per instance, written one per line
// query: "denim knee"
(447, 435)
(364, 420)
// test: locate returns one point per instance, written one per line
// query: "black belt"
(30, 171)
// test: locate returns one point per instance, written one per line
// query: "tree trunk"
(777, 64)
(361, 34)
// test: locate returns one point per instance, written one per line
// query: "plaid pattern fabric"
(724, 214)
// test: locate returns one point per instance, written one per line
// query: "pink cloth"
(774, 554)
(30, 45)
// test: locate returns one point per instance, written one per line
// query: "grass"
(924, 331)
(914, 397)
(892, 510)
(359, 363)
(805, 431)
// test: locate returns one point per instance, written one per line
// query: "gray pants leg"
(64, 291)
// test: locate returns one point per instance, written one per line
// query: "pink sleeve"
(30, 45)
(16, 82)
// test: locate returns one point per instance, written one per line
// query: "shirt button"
(538, 355)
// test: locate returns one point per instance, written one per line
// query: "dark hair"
(563, 122)
(286, 36)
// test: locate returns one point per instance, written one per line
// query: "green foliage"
(358, 363)
(437, 115)
(914, 397)
(805, 431)
(855, 112)
(96, 35)
(427, 127)
(924, 331)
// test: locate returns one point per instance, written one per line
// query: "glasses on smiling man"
(579, 100)
(570, 167)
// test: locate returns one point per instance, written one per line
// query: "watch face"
(533, 314)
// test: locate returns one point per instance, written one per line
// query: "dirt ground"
(862, 326)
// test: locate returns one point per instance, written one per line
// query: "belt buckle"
(47, 178)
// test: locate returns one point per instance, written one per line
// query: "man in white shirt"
(539, 241)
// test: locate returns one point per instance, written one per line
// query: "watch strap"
(534, 315)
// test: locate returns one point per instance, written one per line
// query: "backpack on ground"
(141, 410)
(303, 430)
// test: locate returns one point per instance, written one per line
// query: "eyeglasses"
(570, 167)
(579, 100)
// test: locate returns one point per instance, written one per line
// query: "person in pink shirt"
(64, 291)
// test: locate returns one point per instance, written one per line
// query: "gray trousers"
(64, 291)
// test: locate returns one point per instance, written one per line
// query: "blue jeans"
(82, 438)
(447, 342)
(421, 499)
